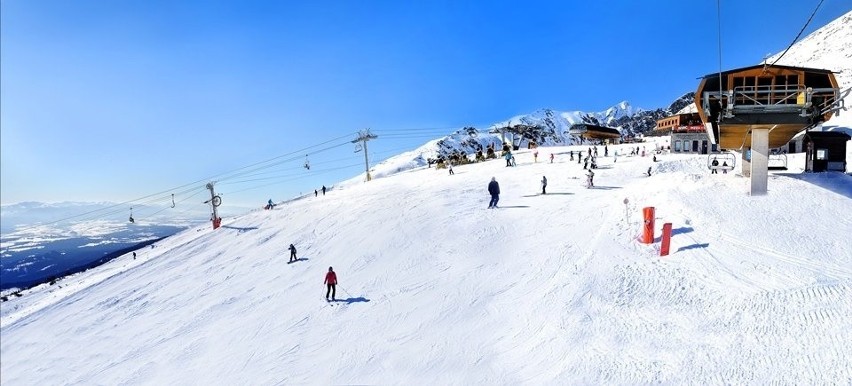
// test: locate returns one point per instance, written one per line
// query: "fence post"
(667, 238)
(648, 232)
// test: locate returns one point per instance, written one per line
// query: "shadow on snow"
(693, 246)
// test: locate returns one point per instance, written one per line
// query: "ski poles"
(345, 291)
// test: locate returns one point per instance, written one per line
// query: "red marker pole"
(648, 232)
(667, 238)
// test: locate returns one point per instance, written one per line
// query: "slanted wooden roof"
(593, 131)
(736, 70)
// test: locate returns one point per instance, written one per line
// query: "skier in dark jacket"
(331, 282)
(543, 185)
(494, 189)
(292, 253)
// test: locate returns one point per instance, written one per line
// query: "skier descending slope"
(331, 282)
(494, 190)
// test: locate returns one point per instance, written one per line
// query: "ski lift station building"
(686, 131)
(589, 131)
(753, 109)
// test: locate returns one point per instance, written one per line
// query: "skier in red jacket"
(331, 282)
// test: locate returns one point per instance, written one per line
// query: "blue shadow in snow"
(836, 182)
(297, 260)
(241, 229)
(693, 246)
(682, 230)
(352, 300)
(549, 194)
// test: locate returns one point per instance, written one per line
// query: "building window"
(677, 146)
(822, 154)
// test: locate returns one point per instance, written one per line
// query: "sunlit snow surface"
(436, 288)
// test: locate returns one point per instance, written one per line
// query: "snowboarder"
(292, 254)
(551, 157)
(323, 190)
(331, 284)
(494, 190)
(714, 166)
(543, 184)
(590, 179)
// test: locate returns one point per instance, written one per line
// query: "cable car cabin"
(588, 131)
(785, 100)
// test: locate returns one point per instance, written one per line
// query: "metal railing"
(806, 101)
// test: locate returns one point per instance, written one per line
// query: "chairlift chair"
(727, 161)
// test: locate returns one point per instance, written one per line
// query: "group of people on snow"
(330, 278)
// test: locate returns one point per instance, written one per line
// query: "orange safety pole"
(648, 232)
(667, 238)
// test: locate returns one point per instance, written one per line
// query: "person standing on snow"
(292, 254)
(590, 179)
(543, 184)
(551, 157)
(323, 190)
(494, 189)
(451, 168)
(331, 283)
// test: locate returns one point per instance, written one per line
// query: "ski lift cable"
(797, 36)
(286, 176)
(242, 173)
(139, 212)
(263, 173)
(262, 168)
(121, 205)
(187, 198)
(302, 176)
(260, 165)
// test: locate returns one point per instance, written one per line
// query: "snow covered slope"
(830, 48)
(435, 288)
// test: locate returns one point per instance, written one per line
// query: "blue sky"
(118, 100)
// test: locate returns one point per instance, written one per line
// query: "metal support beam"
(759, 163)
(363, 137)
